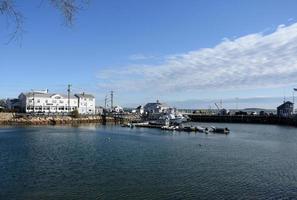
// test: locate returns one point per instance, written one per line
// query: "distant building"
(117, 109)
(140, 109)
(44, 102)
(223, 112)
(156, 107)
(3, 104)
(99, 110)
(286, 109)
(13, 104)
(241, 113)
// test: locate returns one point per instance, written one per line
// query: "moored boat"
(219, 130)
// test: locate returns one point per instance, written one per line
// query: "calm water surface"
(111, 162)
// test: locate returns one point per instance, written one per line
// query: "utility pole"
(294, 90)
(111, 99)
(33, 100)
(105, 102)
(69, 90)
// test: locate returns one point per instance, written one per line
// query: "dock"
(292, 121)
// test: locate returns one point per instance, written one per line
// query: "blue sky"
(170, 50)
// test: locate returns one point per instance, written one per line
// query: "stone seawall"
(6, 116)
(50, 120)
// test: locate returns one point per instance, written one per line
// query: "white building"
(44, 102)
(117, 109)
(157, 108)
(140, 109)
(86, 103)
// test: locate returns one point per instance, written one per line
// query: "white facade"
(139, 110)
(86, 103)
(156, 108)
(118, 109)
(43, 102)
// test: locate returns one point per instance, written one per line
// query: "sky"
(143, 50)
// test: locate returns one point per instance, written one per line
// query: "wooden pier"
(292, 121)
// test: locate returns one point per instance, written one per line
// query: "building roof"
(155, 104)
(84, 95)
(285, 103)
(46, 95)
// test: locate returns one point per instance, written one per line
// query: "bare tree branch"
(8, 9)
(68, 8)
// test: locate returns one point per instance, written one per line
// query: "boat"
(219, 130)
(189, 129)
(128, 125)
(170, 128)
(200, 129)
(178, 119)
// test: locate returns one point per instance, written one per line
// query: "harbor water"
(112, 162)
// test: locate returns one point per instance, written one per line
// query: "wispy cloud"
(141, 57)
(251, 61)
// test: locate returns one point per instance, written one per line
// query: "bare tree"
(68, 9)
(8, 9)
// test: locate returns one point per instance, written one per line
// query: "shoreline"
(12, 119)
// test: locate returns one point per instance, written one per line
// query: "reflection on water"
(111, 162)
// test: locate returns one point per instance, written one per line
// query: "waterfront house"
(13, 104)
(86, 103)
(140, 109)
(44, 102)
(3, 104)
(286, 109)
(99, 110)
(118, 109)
(156, 107)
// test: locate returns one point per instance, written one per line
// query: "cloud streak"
(251, 61)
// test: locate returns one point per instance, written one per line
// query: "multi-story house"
(156, 107)
(86, 103)
(44, 102)
(286, 109)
